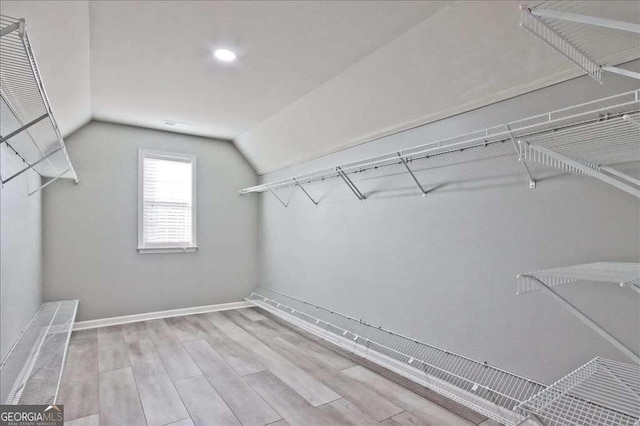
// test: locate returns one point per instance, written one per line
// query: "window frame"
(171, 156)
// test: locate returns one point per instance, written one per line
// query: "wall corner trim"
(125, 319)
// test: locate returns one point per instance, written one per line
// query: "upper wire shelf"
(599, 133)
(486, 389)
(599, 393)
(624, 274)
(27, 124)
(578, 31)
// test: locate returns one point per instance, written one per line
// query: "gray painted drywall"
(442, 269)
(90, 229)
(20, 251)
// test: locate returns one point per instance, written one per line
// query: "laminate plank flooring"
(204, 404)
(242, 367)
(160, 400)
(119, 399)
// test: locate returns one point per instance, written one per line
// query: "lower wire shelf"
(601, 392)
(488, 390)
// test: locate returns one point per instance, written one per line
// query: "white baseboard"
(103, 322)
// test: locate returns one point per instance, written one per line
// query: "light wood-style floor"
(240, 367)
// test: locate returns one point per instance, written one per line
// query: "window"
(166, 202)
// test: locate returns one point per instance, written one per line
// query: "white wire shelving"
(623, 274)
(599, 393)
(587, 139)
(594, 35)
(27, 124)
(486, 389)
(32, 370)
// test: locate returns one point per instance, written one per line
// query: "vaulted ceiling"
(311, 77)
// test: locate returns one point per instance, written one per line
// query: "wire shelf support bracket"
(532, 182)
(413, 176)
(29, 127)
(350, 184)
(534, 20)
(315, 203)
(624, 274)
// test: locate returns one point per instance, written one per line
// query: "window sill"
(159, 250)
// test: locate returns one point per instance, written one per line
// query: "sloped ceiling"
(311, 77)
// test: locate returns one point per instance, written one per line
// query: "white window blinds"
(167, 202)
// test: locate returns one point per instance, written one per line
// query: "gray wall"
(20, 251)
(90, 229)
(443, 269)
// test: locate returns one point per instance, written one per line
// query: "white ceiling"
(311, 77)
(153, 60)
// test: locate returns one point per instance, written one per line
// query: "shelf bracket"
(49, 182)
(559, 43)
(278, 198)
(590, 20)
(622, 71)
(547, 157)
(25, 127)
(305, 191)
(584, 318)
(350, 184)
(30, 166)
(532, 182)
(413, 176)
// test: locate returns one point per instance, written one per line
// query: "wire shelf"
(27, 124)
(32, 370)
(579, 31)
(600, 393)
(624, 274)
(488, 390)
(575, 131)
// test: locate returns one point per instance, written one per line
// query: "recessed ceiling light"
(225, 55)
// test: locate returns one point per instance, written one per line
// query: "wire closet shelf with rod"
(589, 139)
(579, 32)
(28, 127)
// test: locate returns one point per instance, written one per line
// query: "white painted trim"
(125, 319)
(149, 250)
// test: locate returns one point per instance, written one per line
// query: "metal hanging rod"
(587, 128)
(557, 29)
(28, 125)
